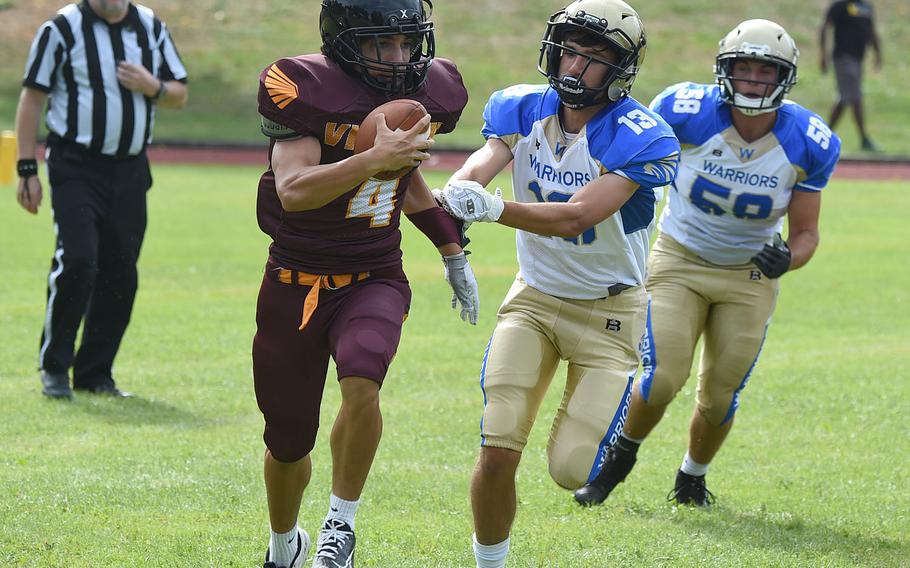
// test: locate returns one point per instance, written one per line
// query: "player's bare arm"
(484, 164)
(595, 202)
(31, 101)
(802, 216)
(304, 184)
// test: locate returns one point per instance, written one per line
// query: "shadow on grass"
(136, 410)
(792, 535)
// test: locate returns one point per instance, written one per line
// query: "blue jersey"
(730, 196)
(626, 139)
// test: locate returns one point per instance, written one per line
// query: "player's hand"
(461, 224)
(137, 79)
(29, 193)
(464, 286)
(469, 201)
(397, 149)
(773, 260)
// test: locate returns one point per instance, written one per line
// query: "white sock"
(490, 555)
(283, 546)
(692, 467)
(631, 439)
(342, 510)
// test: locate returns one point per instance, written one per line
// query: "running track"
(848, 168)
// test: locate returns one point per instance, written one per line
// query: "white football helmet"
(760, 40)
(618, 25)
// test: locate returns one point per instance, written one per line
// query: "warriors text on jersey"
(730, 196)
(626, 139)
(310, 95)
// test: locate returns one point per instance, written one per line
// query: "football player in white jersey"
(587, 161)
(750, 157)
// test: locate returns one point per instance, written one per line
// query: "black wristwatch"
(162, 90)
(27, 168)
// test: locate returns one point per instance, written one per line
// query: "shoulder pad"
(631, 138)
(514, 110)
(810, 145)
(444, 94)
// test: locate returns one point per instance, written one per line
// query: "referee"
(102, 67)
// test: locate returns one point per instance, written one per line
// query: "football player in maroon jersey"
(334, 285)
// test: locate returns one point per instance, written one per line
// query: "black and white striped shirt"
(74, 58)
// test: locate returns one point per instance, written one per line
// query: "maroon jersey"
(310, 95)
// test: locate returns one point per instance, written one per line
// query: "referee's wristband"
(27, 168)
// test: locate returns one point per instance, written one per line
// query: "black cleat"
(691, 490)
(335, 548)
(617, 465)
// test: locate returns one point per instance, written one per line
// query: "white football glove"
(469, 201)
(464, 286)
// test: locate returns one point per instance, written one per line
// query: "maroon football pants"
(359, 326)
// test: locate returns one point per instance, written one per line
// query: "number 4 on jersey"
(374, 200)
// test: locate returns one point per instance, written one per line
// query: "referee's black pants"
(99, 209)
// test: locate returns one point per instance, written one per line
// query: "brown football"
(399, 114)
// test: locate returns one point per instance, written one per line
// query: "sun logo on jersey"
(280, 87)
(663, 170)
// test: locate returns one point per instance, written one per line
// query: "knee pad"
(289, 441)
(717, 406)
(517, 369)
(583, 431)
(659, 386)
(507, 418)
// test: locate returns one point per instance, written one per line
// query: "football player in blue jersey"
(750, 159)
(587, 161)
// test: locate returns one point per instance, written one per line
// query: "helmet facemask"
(589, 30)
(346, 46)
(764, 42)
(751, 106)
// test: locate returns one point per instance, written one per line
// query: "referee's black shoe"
(56, 385)
(617, 465)
(106, 389)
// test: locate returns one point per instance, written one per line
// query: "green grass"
(815, 473)
(226, 43)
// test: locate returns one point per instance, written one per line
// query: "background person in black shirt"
(102, 67)
(854, 29)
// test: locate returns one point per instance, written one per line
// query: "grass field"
(226, 43)
(815, 473)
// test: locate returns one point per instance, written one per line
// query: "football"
(400, 114)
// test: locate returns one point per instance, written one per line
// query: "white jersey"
(730, 196)
(626, 139)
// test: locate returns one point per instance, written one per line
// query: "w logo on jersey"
(560, 150)
(746, 153)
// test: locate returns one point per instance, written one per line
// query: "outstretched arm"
(484, 164)
(592, 204)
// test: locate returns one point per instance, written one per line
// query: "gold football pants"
(729, 306)
(598, 338)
